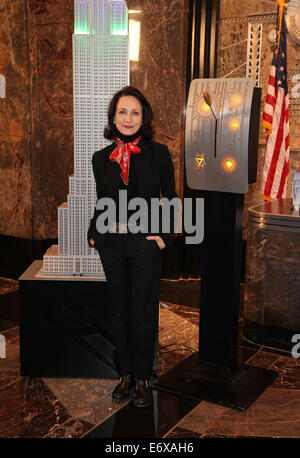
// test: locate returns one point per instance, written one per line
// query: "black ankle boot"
(142, 393)
(123, 389)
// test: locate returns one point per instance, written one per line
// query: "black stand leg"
(215, 375)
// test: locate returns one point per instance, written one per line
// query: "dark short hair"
(147, 129)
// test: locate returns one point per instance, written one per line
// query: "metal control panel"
(221, 134)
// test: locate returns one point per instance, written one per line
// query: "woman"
(132, 261)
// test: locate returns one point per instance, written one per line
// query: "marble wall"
(50, 28)
(160, 72)
(36, 117)
(15, 163)
(232, 60)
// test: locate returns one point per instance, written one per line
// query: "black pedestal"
(192, 380)
(215, 373)
(65, 326)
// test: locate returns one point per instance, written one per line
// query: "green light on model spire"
(114, 15)
(82, 29)
(82, 14)
(118, 20)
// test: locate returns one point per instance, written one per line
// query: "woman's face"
(128, 117)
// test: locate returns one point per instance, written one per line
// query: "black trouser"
(132, 265)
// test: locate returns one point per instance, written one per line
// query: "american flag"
(276, 121)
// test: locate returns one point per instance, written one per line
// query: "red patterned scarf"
(121, 154)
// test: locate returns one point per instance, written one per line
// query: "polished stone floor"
(83, 408)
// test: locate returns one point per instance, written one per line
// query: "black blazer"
(154, 174)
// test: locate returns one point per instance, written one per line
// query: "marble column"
(160, 71)
(36, 116)
(50, 28)
(15, 163)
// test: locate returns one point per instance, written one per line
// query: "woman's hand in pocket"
(158, 240)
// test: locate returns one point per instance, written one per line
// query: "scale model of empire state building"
(100, 68)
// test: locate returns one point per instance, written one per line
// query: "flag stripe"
(270, 102)
(276, 121)
(282, 181)
(275, 143)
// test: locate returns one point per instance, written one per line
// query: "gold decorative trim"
(293, 20)
(268, 18)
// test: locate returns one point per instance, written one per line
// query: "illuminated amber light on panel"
(234, 124)
(204, 107)
(200, 161)
(236, 99)
(229, 164)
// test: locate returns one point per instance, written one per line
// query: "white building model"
(100, 68)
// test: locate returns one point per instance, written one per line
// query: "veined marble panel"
(160, 71)
(15, 173)
(275, 414)
(229, 9)
(50, 28)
